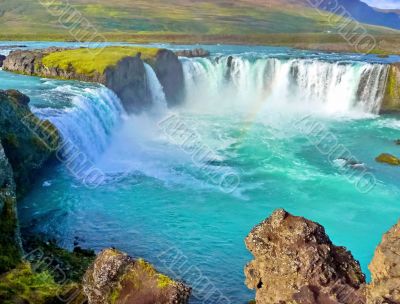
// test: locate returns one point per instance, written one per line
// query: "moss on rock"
(23, 285)
(115, 277)
(28, 142)
(391, 100)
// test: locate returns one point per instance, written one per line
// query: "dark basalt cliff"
(128, 78)
(169, 71)
(26, 145)
(295, 262)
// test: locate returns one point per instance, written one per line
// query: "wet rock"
(391, 99)
(128, 80)
(169, 72)
(199, 52)
(2, 58)
(29, 143)
(397, 142)
(385, 270)
(115, 277)
(295, 262)
(388, 159)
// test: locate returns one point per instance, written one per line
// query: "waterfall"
(87, 124)
(314, 85)
(156, 91)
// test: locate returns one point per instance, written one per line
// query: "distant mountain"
(361, 12)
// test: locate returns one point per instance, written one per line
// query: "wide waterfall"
(306, 85)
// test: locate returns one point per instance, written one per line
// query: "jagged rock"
(388, 159)
(385, 270)
(28, 142)
(193, 53)
(295, 262)
(169, 72)
(115, 277)
(128, 80)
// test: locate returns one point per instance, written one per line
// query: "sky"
(383, 3)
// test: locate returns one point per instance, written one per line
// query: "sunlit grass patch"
(88, 62)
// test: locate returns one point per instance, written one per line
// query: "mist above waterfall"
(239, 84)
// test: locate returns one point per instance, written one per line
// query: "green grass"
(22, 285)
(89, 62)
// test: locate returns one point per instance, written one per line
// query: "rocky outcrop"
(389, 159)
(25, 146)
(385, 270)
(391, 100)
(128, 80)
(193, 53)
(295, 262)
(114, 277)
(28, 142)
(169, 72)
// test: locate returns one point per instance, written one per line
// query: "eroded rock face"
(115, 277)
(295, 262)
(385, 270)
(169, 72)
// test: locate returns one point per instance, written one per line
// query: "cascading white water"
(156, 91)
(86, 125)
(309, 85)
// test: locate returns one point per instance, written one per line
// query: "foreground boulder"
(115, 277)
(385, 270)
(295, 262)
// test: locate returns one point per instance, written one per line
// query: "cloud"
(383, 3)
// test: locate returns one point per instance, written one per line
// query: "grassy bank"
(88, 62)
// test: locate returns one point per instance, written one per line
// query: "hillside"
(170, 16)
(272, 22)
